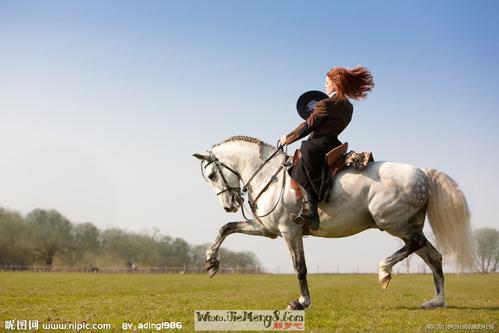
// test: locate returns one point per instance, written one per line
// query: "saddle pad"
(358, 161)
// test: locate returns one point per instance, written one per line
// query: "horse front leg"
(251, 227)
(294, 241)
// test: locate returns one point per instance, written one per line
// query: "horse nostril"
(227, 209)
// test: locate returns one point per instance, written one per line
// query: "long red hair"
(351, 82)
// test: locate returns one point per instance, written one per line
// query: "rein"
(273, 179)
(241, 192)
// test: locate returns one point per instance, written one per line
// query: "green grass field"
(340, 303)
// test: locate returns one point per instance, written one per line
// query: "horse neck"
(245, 158)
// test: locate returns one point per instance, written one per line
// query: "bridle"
(240, 192)
(219, 165)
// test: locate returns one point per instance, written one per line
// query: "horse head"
(223, 180)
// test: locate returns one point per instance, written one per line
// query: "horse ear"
(201, 156)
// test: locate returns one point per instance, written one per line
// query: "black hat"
(306, 102)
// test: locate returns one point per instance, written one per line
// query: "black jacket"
(329, 118)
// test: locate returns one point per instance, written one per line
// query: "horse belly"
(346, 214)
(343, 225)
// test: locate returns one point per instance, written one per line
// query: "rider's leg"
(309, 210)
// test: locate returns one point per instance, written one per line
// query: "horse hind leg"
(434, 260)
(411, 233)
(413, 243)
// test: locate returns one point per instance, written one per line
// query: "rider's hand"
(282, 141)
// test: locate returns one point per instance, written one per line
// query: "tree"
(50, 233)
(174, 252)
(85, 241)
(198, 255)
(120, 244)
(131, 248)
(86, 235)
(14, 245)
(238, 259)
(247, 259)
(487, 241)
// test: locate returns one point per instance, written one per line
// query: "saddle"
(336, 160)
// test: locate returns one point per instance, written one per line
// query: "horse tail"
(450, 218)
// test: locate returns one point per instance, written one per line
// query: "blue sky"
(102, 103)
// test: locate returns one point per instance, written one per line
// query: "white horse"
(390, 196)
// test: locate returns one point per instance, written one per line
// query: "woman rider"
(329, 118)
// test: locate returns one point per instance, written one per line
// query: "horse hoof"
(385, 281)
(212, 265)
(433, 304)
(295, 305)
(300, 220)
(212, 272)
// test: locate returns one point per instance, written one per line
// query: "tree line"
(46, 237)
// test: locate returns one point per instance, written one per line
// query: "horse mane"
(244, 138)
(250, 139)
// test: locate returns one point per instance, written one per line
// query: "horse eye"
(212, 176)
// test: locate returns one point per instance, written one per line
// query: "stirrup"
(300, 220)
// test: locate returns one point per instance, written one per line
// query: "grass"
(340, 303)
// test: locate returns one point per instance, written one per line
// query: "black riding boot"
(308, 212)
